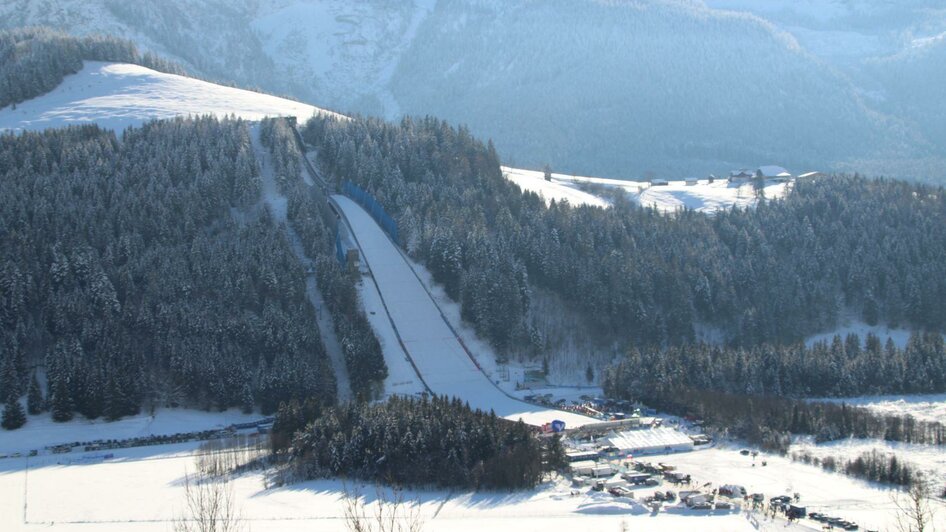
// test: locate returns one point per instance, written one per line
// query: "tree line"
(775, 273)
(128, 279)
(417, 442)
(33, 61)
(871, 465)
(837, 368)
(770, 421)
(307, 211)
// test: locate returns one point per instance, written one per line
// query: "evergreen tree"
(13, 415)
(34, 397)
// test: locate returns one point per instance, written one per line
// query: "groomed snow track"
(435, 350)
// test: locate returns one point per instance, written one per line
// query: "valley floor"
(142, 489)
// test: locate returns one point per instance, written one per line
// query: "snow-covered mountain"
(617, 89)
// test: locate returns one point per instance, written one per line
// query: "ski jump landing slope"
(435, 350)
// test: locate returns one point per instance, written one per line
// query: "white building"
(651, 441)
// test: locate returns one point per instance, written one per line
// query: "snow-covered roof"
(772, 171)
(649, 439)
(810, 174)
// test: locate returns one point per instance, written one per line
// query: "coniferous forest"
(306, 212)
(419, 442)
(144, 271)
(841, 368)
(773, 274)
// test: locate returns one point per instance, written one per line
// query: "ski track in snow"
(278, 204)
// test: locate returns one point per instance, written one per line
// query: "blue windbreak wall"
(374, 208)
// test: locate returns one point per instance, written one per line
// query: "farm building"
(651, 441)
(657, 182)
(691, 181)
(740, 176)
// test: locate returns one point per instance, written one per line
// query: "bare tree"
(914, 513)
(389, 514)
(209, 506)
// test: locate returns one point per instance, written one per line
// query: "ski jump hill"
(436, 352)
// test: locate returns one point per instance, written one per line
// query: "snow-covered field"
(868, 504)
(41, 431)
(118, 95)
(559, 189)
(676, 195)
(930, 459)
(924, 407)
(141, 489)
(445, 366)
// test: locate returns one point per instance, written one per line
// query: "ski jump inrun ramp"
(435, 351)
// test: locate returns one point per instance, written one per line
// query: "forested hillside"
(776, 273)
(622, 88)
(609, 88)
(143, 271)
(306, 212)
(843, 368)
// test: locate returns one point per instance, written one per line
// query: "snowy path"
(277, 204)
(434, 349)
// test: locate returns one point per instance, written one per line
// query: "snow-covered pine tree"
(13, 416)
(35, 404)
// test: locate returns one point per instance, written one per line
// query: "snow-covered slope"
(117, 95)
(437, 353)
(560, 188)
(350, 48)
(676, 195)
